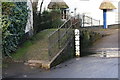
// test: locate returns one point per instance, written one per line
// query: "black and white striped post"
(77, 42)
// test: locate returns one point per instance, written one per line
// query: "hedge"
(14, 19)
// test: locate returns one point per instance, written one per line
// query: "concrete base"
(66, 53)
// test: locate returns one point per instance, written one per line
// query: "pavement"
(107, 46)
(93, 66)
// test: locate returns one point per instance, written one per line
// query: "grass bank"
(34, 47)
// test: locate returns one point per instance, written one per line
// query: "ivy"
(14, 19)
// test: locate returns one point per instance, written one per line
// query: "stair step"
(39, 64)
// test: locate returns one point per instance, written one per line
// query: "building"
(61, 5)
(91, 8)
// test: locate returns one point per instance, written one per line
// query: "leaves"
(14, 19)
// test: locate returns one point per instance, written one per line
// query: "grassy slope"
(35, 48)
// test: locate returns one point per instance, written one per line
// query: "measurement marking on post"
(77, 42)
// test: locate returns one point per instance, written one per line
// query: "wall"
(119, 12)
(29, 25)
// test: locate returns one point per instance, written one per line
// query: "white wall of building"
(118, 12)
(90, 8)
(29, 25)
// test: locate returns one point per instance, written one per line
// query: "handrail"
(58, 39)
(90, 21)
(59, 27)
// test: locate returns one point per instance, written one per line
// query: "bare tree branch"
(41, 7)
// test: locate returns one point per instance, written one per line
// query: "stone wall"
(114, 26)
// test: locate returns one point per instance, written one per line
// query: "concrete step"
(38, 64)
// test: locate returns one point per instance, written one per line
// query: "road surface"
(84, 67)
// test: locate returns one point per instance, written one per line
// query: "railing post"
(83, 20)
(91, 22)
(59, 38)
(71, 23)
(66, 30)
(49, 50)
(99, 23)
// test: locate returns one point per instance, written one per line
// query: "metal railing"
(89, 21)
(59, 38)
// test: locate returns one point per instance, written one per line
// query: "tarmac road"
(84, 67)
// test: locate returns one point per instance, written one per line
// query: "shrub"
(14, 19)
(49, 19)
(56, 18)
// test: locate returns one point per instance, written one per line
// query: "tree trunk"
(36, 17)
(34, 6)
(41, 7)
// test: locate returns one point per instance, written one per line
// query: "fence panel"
(59, 38)
(89, 21)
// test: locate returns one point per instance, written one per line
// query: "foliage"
(56, 18)
(55, 14)
(48, 19)
(46, 15)
(56, 23)
(53, 18)
(14, 19)
(6, 7)
(87, 38)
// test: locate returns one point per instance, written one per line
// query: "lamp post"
(106, 5)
